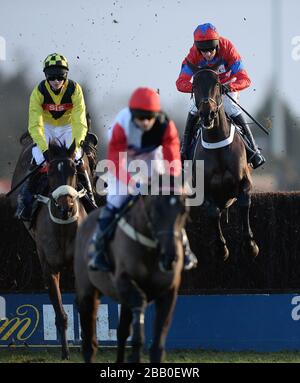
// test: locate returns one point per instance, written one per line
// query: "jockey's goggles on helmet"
(143, 114)
(207, 50)
(57, 77)
(56, 72)
(207, 45)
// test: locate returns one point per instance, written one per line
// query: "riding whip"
(24, 179)
(248, 114)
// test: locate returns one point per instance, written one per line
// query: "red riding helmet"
(206, 37)
(145, 99)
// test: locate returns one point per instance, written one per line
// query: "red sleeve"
(117, 146)
(171, 149)
(183, 82)
(235, 64)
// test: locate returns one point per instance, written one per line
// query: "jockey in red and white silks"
(140, 131)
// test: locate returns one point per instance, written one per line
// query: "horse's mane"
(59, 149)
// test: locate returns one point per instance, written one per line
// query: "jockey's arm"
(171, 149)
(237, 70)
(117, 151)
(78, 116)
(183, 82)
(35, 119)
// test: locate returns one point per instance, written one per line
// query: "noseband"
(207, 100)
(63, 190)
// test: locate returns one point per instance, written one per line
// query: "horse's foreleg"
(61, 318)
(214, 215)
(132, 296)
(164, 309)
(123, 332)
(249, 244)
(87, 305)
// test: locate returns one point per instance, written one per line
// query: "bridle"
(63, 190)
(207, 100)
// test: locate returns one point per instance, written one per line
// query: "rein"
(132, 233)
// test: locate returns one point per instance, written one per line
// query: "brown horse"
(147, 239)
(56, 222)
(227, 176)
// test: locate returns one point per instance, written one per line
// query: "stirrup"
(257, 160)
(190, 261)
(21, 214)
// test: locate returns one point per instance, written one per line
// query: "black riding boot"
(255, 158)
(98, 245)
(187, 135)
(90, 148)
(25, 197)
(85, 180)
(190, 260)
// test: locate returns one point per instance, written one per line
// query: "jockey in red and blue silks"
(140, 131)
(208, 49)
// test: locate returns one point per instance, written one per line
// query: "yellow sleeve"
(78, 117)
(35, 119)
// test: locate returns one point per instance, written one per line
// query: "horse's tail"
(25, 138)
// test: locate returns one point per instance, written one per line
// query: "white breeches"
(61, 134)
(231, 109)
(117, 192)
(147, 163)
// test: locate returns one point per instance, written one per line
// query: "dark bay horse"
(56, 223)
(227, 176)
(147, 238)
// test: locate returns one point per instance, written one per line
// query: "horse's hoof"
(65, 356)
(226, 253)
(251, 248)
(254, 249)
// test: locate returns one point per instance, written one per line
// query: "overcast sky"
(116, 46)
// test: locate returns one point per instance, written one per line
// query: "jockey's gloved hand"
(226, 88)
(46, 155)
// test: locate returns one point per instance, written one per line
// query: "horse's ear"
(52, 147)
(72, 149)
(88, 121)
(194, 68)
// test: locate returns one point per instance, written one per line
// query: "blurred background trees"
(277, 174)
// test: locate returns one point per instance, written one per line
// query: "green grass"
(107, 355)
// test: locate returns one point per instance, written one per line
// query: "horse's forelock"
(58, 149)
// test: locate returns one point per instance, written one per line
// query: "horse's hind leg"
(123, 332)
(249, 244)
(164, 309)
(61, 318)
(87, 305)
(133, 297)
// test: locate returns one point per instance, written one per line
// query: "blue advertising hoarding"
(211, 322)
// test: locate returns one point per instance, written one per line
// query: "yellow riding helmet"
(55, 60)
